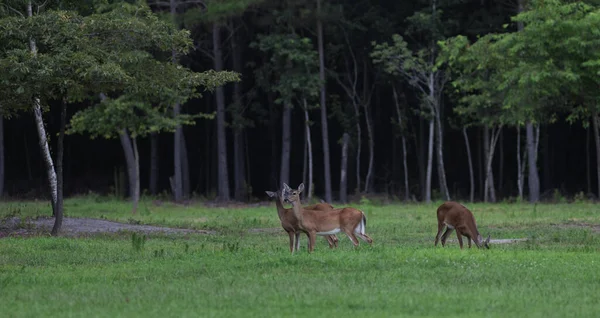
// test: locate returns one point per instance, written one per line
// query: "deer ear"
(286, 187)
(488, 239)
(270, 193)
(301, 187)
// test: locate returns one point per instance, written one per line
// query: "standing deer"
(348, 220)
(289, 222)
(456, 216)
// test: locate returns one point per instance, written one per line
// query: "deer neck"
(297, 209)
(280, 208)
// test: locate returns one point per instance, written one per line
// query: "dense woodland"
(224, 99)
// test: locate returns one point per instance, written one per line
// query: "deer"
(289, 222)
(349, 220)
(456, 216)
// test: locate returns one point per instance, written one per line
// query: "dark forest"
(367, 83)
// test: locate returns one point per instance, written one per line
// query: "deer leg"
(311, 239)
(445, 236)
(291, 235)
(439, 232)
(335, 240)
(459, 236)
(469, 240)
(352, 238)
(329, 241)
(365, 238)
(297, 241)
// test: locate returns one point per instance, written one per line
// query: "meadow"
(246, 269)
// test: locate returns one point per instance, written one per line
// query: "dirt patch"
(81, 226)
(593, 227)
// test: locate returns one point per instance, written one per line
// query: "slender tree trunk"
(489, 178)
(481, 162)
(238, 130)
(324, 126)
(520, 165)
(177, 182)
(501, 163)
(59, 171)
(185, 169)
(223, 177)
(429, 163)
(597, 139)
(369, 178)
(587, 160)
(534, 181)
(129, 149)
(309, 151)
(2, 176)
(436, 112)
(286, 144)
(305, 159)
(45, 149)
(404, 155)
(486, 151)
(344, 169)
(420, 145)
(154, 164)
(274, 145)
(136, 157)
(471, 174)
(440, 157)
(358, 145)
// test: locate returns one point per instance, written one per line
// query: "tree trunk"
(597, 139)
(404, 155)
(520, 165)
(130, 149)
(534, 181)
(238, 130)
(587, 161)
(177, 186)
(185, 169)
(489, 177)
(153, 187)
(324, 127)
(2, 176)
(429, 163)
(309, 151)
(223, 175)
(501, 163)
(286, 144)
(440, 159)
(480, 162)
(358, 145)
(45, 149)
(136, 157)
(420, 145)
(471, 174)
(58, 218)
(274, 144)
(369, 178)
(344, 169)
(436, 112)
(37, 110)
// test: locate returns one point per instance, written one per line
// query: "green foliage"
(123, 50)
(531, 74)
(293, 63)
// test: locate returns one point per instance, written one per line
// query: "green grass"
(237, 273)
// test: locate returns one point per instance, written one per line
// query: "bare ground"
(82, 226)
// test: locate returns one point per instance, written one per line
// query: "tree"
(420, 71)
(292, 62)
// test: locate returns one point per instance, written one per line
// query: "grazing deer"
(348, 220)
(457, 217)
(289, 222)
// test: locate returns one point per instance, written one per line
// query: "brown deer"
(456, 216)
(289, 222)
(348, 220)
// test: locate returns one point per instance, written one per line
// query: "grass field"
(239, 272)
